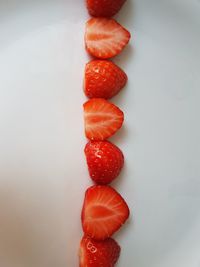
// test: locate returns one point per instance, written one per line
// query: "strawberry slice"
(104, 212)
(103, 79)
(105, 38)
(102, 119)
(94, 253)
(104, 8)
(104, 160)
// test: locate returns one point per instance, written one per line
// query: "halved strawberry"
(105, 161)
(103, 79)
(104, 212)
(102, 119)
(104, 8)
(94, 253)
(105, 38)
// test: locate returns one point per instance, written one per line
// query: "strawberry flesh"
(102, 119)
(104, 212)
(105, 38)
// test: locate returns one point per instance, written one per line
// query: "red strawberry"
(103, 79)
(98, 253)
(102, 119)
(105, 38)
(104, 8)
(104, 212)
(105, 161)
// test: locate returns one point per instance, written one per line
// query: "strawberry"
(104, 212)
(104, 8)
(105, 161)
(102, 119)
(94, 253)
(103, 79)
(105, 38)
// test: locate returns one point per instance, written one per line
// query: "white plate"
(43, 174)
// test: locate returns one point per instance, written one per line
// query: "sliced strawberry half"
(102, 119)
(105, 38)
(103, 79)
(104, 8)
(104, 160)
(94, 253)
(104, 212)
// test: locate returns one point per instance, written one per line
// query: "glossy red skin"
(103, 79)
(94, 253)
(104, 160)
(104, 8)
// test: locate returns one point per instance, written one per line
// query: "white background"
(43, 174)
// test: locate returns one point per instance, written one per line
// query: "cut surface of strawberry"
(94, 253)
(102, 119)
(104, 160)
(104, 8)
(103, 79)
(104, 212)
(105, 38)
